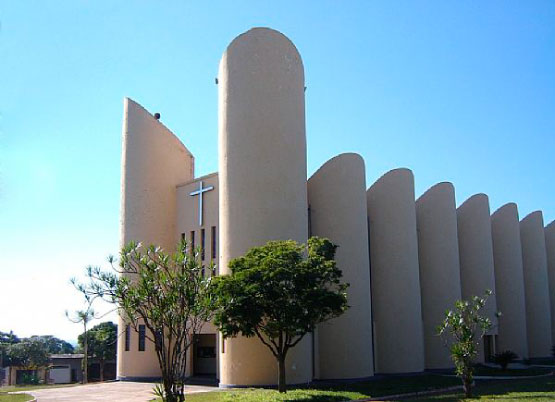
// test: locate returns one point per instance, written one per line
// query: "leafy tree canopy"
(279, 292)
(167, 293)
(30, 353)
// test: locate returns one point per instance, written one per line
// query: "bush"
(504, 358)
(30, 379)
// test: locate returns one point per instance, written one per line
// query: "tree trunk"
(85, 357)
(101, 362)
(282, 387)
(467, 387)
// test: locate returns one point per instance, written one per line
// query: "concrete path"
(123, 391)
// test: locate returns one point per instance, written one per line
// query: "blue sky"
(456, 91)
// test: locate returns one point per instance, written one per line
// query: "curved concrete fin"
(337, 200)
(438, 255)
(536, 282)
(550, 249)
(476, 255)
(399, 345)
(509, 280)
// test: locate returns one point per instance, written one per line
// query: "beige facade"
(406, 261)
(262, 167)
(509, 280)
(337, 201)
(550, 249)
(398, 336)
(438, 255)
(536, 285)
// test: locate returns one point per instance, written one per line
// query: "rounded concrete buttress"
(395, 279)
(536, 287)
(550, 248)
(438, 255)
(509, 280)
(262, 170)
(337, 200)
(153, 162)
(476, 256)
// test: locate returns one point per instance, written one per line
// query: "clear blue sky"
(456, 91)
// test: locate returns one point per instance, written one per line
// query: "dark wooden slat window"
(192, 241)
(213, 240)
(202, 243)
(127, 337)
(142, 338)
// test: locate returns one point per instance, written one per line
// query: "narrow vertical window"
(202, 243)
(213, 240)
(142, 336)
(127, 337)
(223, 343)
(192, 241)
(182, 237)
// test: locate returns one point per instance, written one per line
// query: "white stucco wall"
(438, 254)
(509, 280)
(337, 199)
(395, 278)
(262, 170)
(550, 249)
(154, 161)
(536, 285)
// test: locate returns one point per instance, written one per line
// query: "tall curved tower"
(399, 346)
(509, 280)
(536, 282)
(476, 259)
(262, 168)
(337, 200)
(438, 254)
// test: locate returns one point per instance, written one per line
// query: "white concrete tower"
(262, 168)
(337, 200)
(438, 254)
(509, 280)
(399, 345)
(476, 258)
(550, 248)
(536, 285)
(153, 162)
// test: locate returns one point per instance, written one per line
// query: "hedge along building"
(406, 261)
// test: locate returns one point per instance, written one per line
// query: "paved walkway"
(119, 391)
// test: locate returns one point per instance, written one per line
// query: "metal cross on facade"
(201, 190)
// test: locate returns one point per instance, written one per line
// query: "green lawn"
(16, 388)
(529, 390)
(15, 398)
(342, 392)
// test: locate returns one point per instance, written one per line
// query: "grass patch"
(17, 388)
(529, 390)
(331, 393)
(15, 398)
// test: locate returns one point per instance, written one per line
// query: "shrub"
(504, 358)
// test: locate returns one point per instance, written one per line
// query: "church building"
(406, 260)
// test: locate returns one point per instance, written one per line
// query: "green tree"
(54, 345)
(29, 354)
(167, 293)
(467, 327)
(279, 292)
(6, 339)
(84, 317)
(101, 343)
